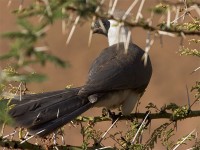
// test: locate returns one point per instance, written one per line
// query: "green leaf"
(4, 116)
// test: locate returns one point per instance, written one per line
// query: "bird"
(116, 78)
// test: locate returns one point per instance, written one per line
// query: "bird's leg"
(114, 116)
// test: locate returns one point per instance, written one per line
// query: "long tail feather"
(48, 111)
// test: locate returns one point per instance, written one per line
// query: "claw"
(113, 116)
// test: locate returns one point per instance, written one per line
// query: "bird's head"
(101, 26)
(114, 29)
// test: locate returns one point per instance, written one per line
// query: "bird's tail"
(44, 113)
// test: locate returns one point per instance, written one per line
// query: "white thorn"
(63, 22)
(188, 97)
(26, 135)
(73, 28)
(91, 31)
(48, 8)
(54, 138)
(99, 6)
(143, 122)
(149, 43)
(32, 136)
(108, 130)
(106, 147)
(41, 49)
(110, 6)
(102, 26)
(72, 123)
(43, 30)
(195, 70)
(9, 134)
(127, 41)
(177, 15)
(9, 3)
(168, 17)
(183, 140)
(139, 11)
(58, 112)
(63, 139)
(21, 4)
(129, 9)
(118, 35)
(113, 7)
(166, 33)
(38, 115)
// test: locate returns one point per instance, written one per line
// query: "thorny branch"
(152, 116)
(179, 3)
(162, 115)
(143, 24)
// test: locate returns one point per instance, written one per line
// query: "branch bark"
(145, 25)
(29, 146)
(152, 116)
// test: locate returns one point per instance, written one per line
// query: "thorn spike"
(73, 29)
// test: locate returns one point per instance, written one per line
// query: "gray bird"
(115, 79)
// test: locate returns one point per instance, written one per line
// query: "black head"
(101, 26)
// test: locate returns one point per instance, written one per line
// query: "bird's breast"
(114, 99)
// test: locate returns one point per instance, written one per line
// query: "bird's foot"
(114, 116)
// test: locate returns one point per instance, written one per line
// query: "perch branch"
(26, 145)
(152, 116)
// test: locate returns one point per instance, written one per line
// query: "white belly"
(126, 99)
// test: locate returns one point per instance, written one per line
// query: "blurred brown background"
(171, 72)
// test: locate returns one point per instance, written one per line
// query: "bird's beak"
(100, 27)
(99, 30)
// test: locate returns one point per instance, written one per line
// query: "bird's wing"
(116, 70)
